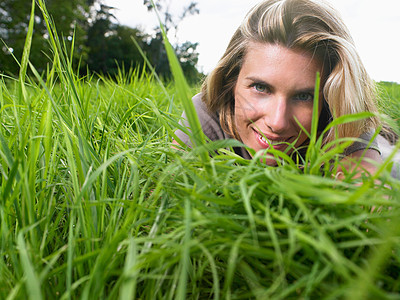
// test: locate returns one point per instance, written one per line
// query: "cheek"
(246, 107)
(243, 111)
(304, 116)
(240, 117)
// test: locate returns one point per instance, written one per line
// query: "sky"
(374, 25)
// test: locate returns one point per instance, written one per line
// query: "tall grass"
(95, 203)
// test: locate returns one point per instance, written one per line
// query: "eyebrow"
(301, 90)
(257, 80)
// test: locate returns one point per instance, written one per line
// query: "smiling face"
(275, 87)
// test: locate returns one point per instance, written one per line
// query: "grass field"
(389, 102)
(95, 204)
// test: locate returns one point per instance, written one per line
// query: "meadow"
(96, 204)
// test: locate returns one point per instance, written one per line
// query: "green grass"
(389, 101)
(95, 204)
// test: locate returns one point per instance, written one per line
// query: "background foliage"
(101, 44)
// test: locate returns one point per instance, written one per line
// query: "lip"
(277, 142)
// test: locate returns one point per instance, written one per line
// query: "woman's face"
(275, 87)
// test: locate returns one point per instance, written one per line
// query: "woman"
(263, 86)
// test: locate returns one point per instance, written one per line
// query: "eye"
(304, 97)
(259, 87)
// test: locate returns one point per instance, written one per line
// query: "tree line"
(101, 44)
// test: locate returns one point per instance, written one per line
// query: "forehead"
(281, 53)
(266, 60)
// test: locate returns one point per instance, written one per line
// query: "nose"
(278, 115)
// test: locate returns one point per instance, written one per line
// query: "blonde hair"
(310, 25)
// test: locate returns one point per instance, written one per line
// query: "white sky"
(374, 25)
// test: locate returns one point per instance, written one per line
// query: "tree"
(186, 52)
(101, 44)
(69, 17)
(188, 58)
(169, 20)
(110, 45)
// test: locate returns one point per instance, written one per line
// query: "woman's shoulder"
(209, 122)
(363, 142)
(382, 145)
(386, 148)
(201, 108)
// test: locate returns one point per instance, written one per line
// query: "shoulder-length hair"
(313, 26)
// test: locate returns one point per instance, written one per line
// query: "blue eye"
(259, 87)
(304, 97)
